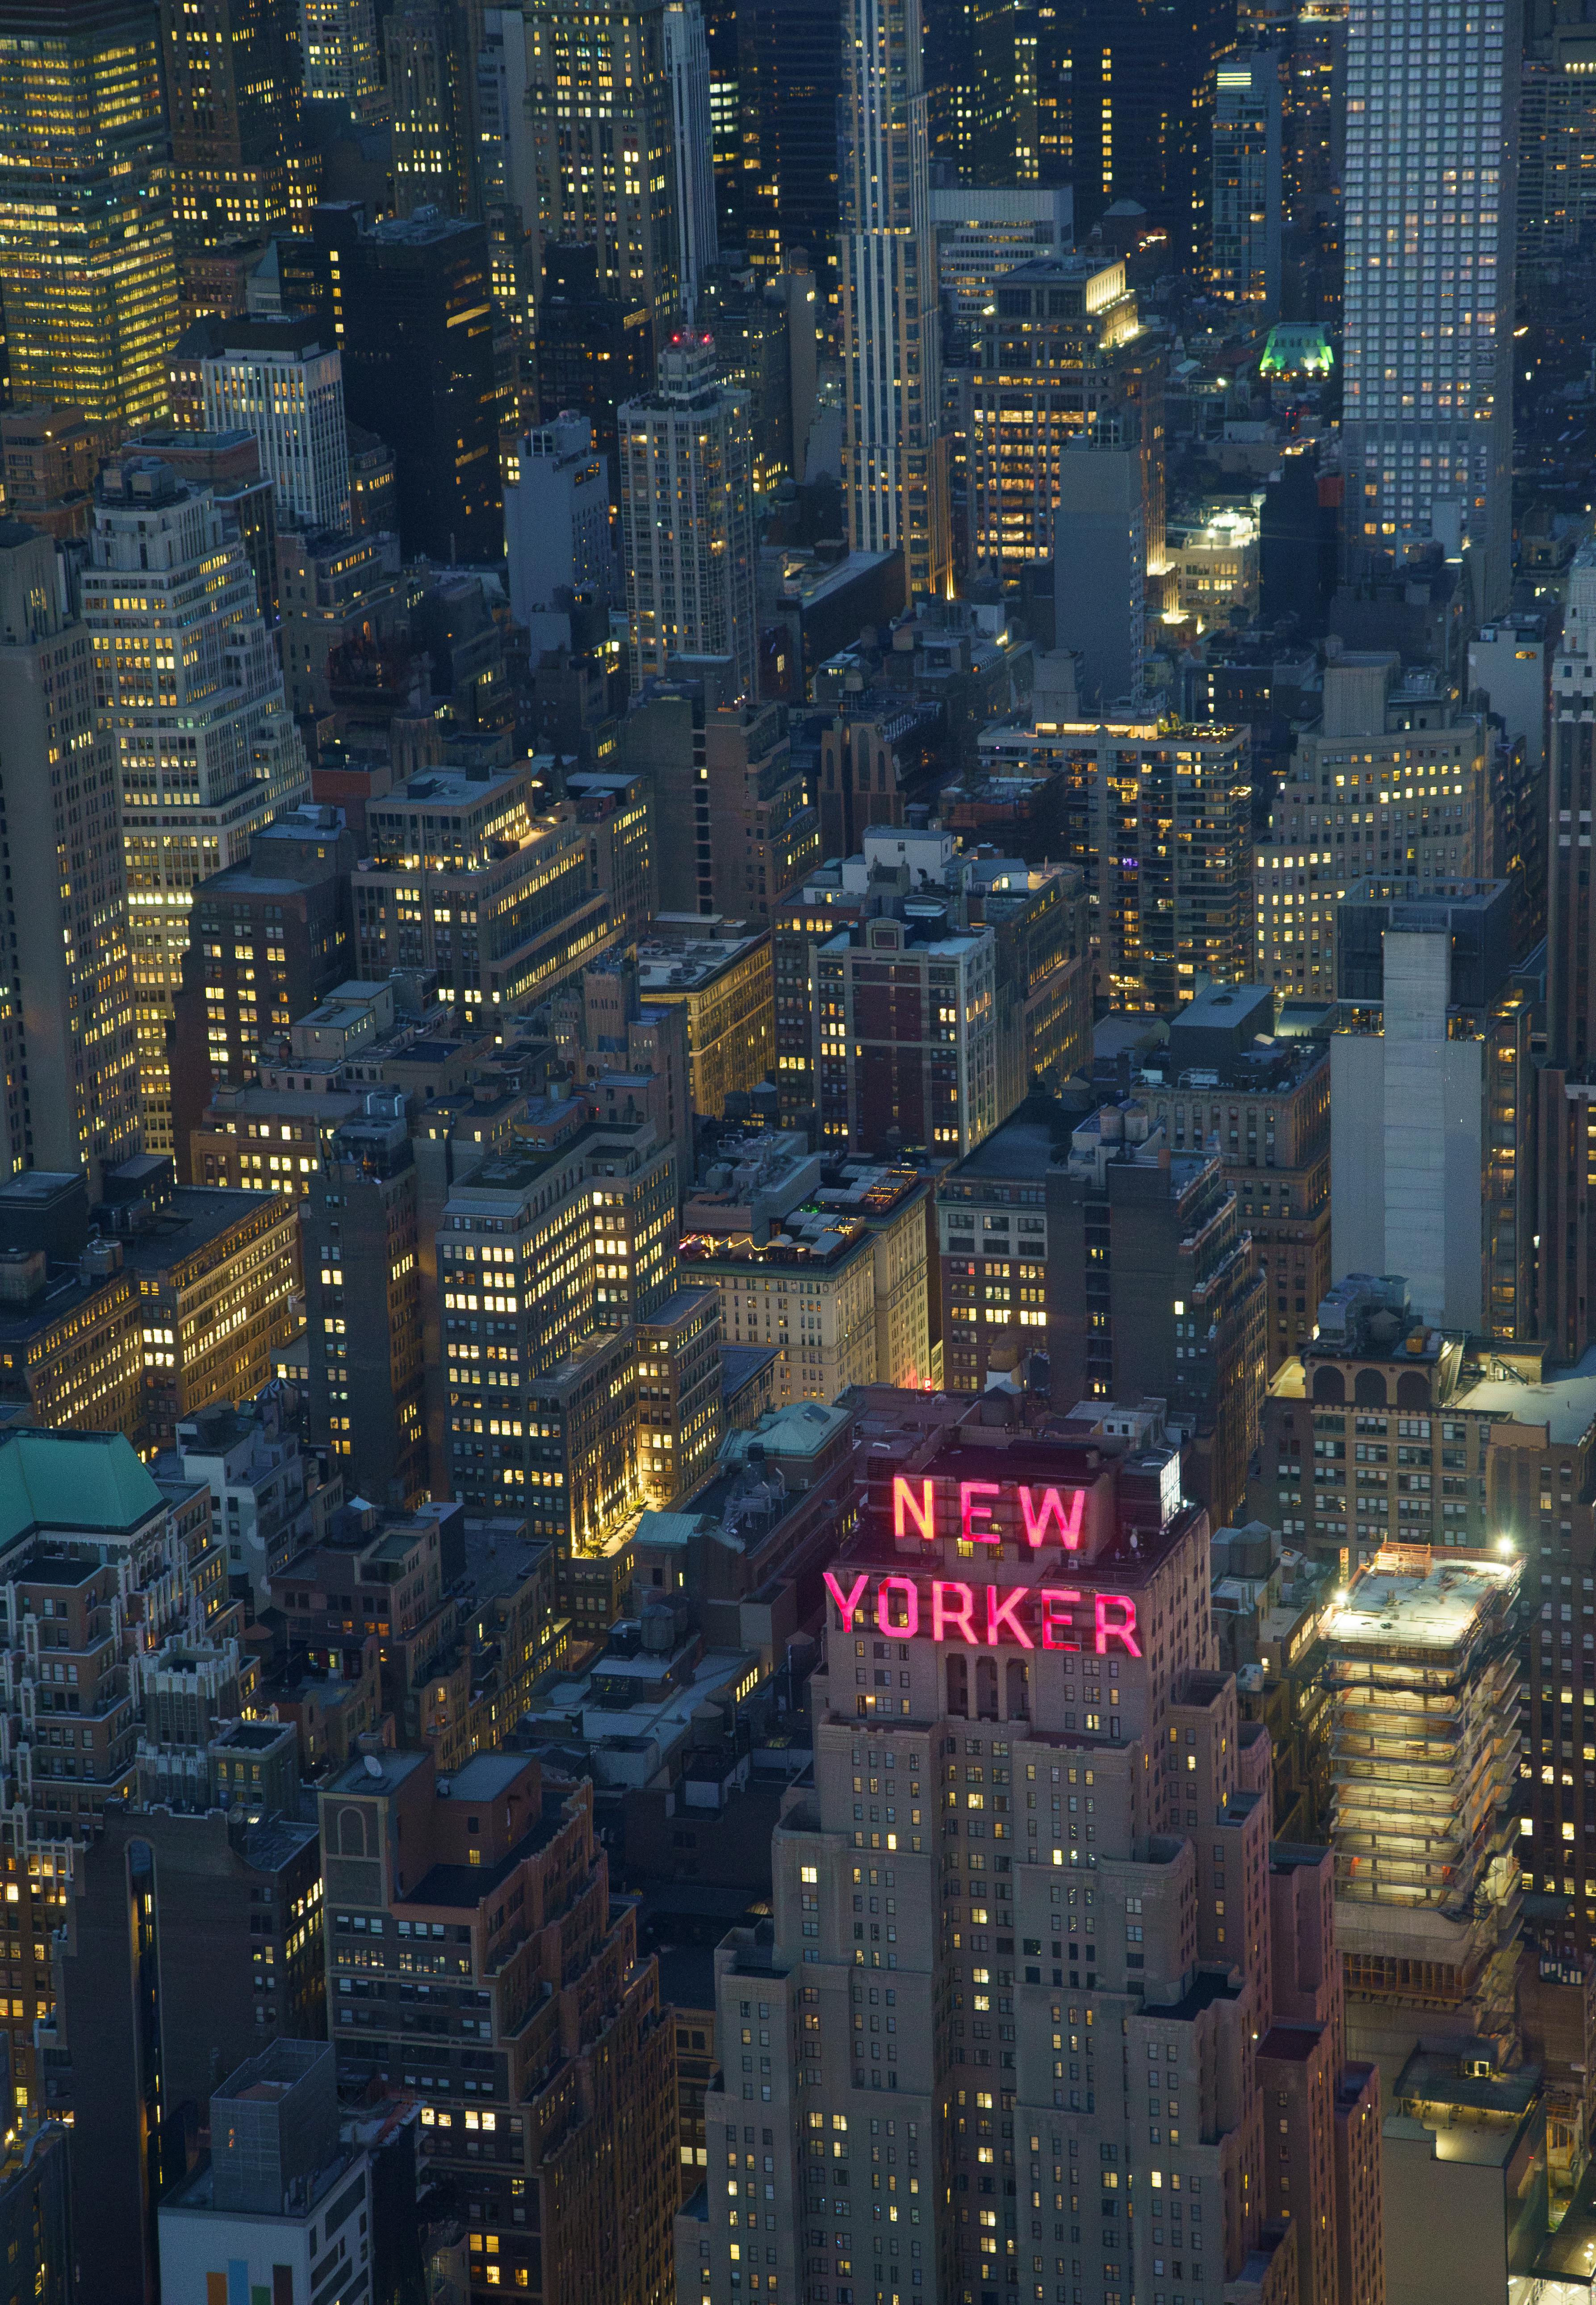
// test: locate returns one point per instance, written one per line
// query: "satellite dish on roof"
(373, 1765)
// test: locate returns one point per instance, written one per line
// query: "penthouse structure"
(966, 1982)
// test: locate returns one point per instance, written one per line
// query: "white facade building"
(276, 380)
(984, 231)
(556, 517)
(1431, 156)
(687, 517)
(188, 680)
(894, 477)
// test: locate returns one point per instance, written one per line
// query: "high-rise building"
(570, 1247)
(416, 316)
(1557, 157)
(686, 453)
(89, 299)
(687, 68)
(159, 1900)
(1247, 210)
(601, 97)
(1383, 1429)
(428, 107)
(1431, 1149)
(344, 59)
(781, 147)
(1088, 2053)
(234, 81)
(569, 2158)
(1392, 782)
(1431, 149)
(839, 1289)
(1061, 362)
(1226, 1082)
(905, 1015)
(1566, 1196)
(1125, 1262)
(229, 464)
(1126, 99)
(496, 899)
(1163, 912)
(283, 382)
(595, 346)
(50, 457)
(895, 478)
(187, 679)
(1427, 1866)
(733, 827)
(363, 1305)
(983, 232)
(66, 1022)
(556, 517)
(282, 2194)
(271, 938)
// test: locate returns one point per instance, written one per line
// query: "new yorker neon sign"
(1050, 1522)
(990, 1616)
(1018, 1616)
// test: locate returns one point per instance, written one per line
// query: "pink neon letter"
(1058, 1615)
(1069, 1524)
(970, 1495)
(911, 1593)
(943, 1614)
(847, 1603)
(1123, 1630)
(904, 1508)
(1001, 1616)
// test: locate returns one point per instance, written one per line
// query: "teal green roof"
(81, 1481)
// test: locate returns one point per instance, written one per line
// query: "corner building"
(998, 2045)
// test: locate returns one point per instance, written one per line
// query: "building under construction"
(1422, 1660)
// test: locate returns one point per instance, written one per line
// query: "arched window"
(352, 1833)
(1328, 1384)
(1370, 1391)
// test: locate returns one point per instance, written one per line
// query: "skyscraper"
(186, 676)
(234, 74)
(429, 108)
(344, 57)
(600, 99)
(687, 67)
(1061, 349)
(283, 380)
(789, 60)
(944, 2010)
(687, 516)
(1568, 1080)
(1130, 86)
(89, 278)
(1432, 145)
(1245, 219)
(66, 1020)
(417, 366)
(893, 476)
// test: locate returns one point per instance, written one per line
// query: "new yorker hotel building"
(996, 2044)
